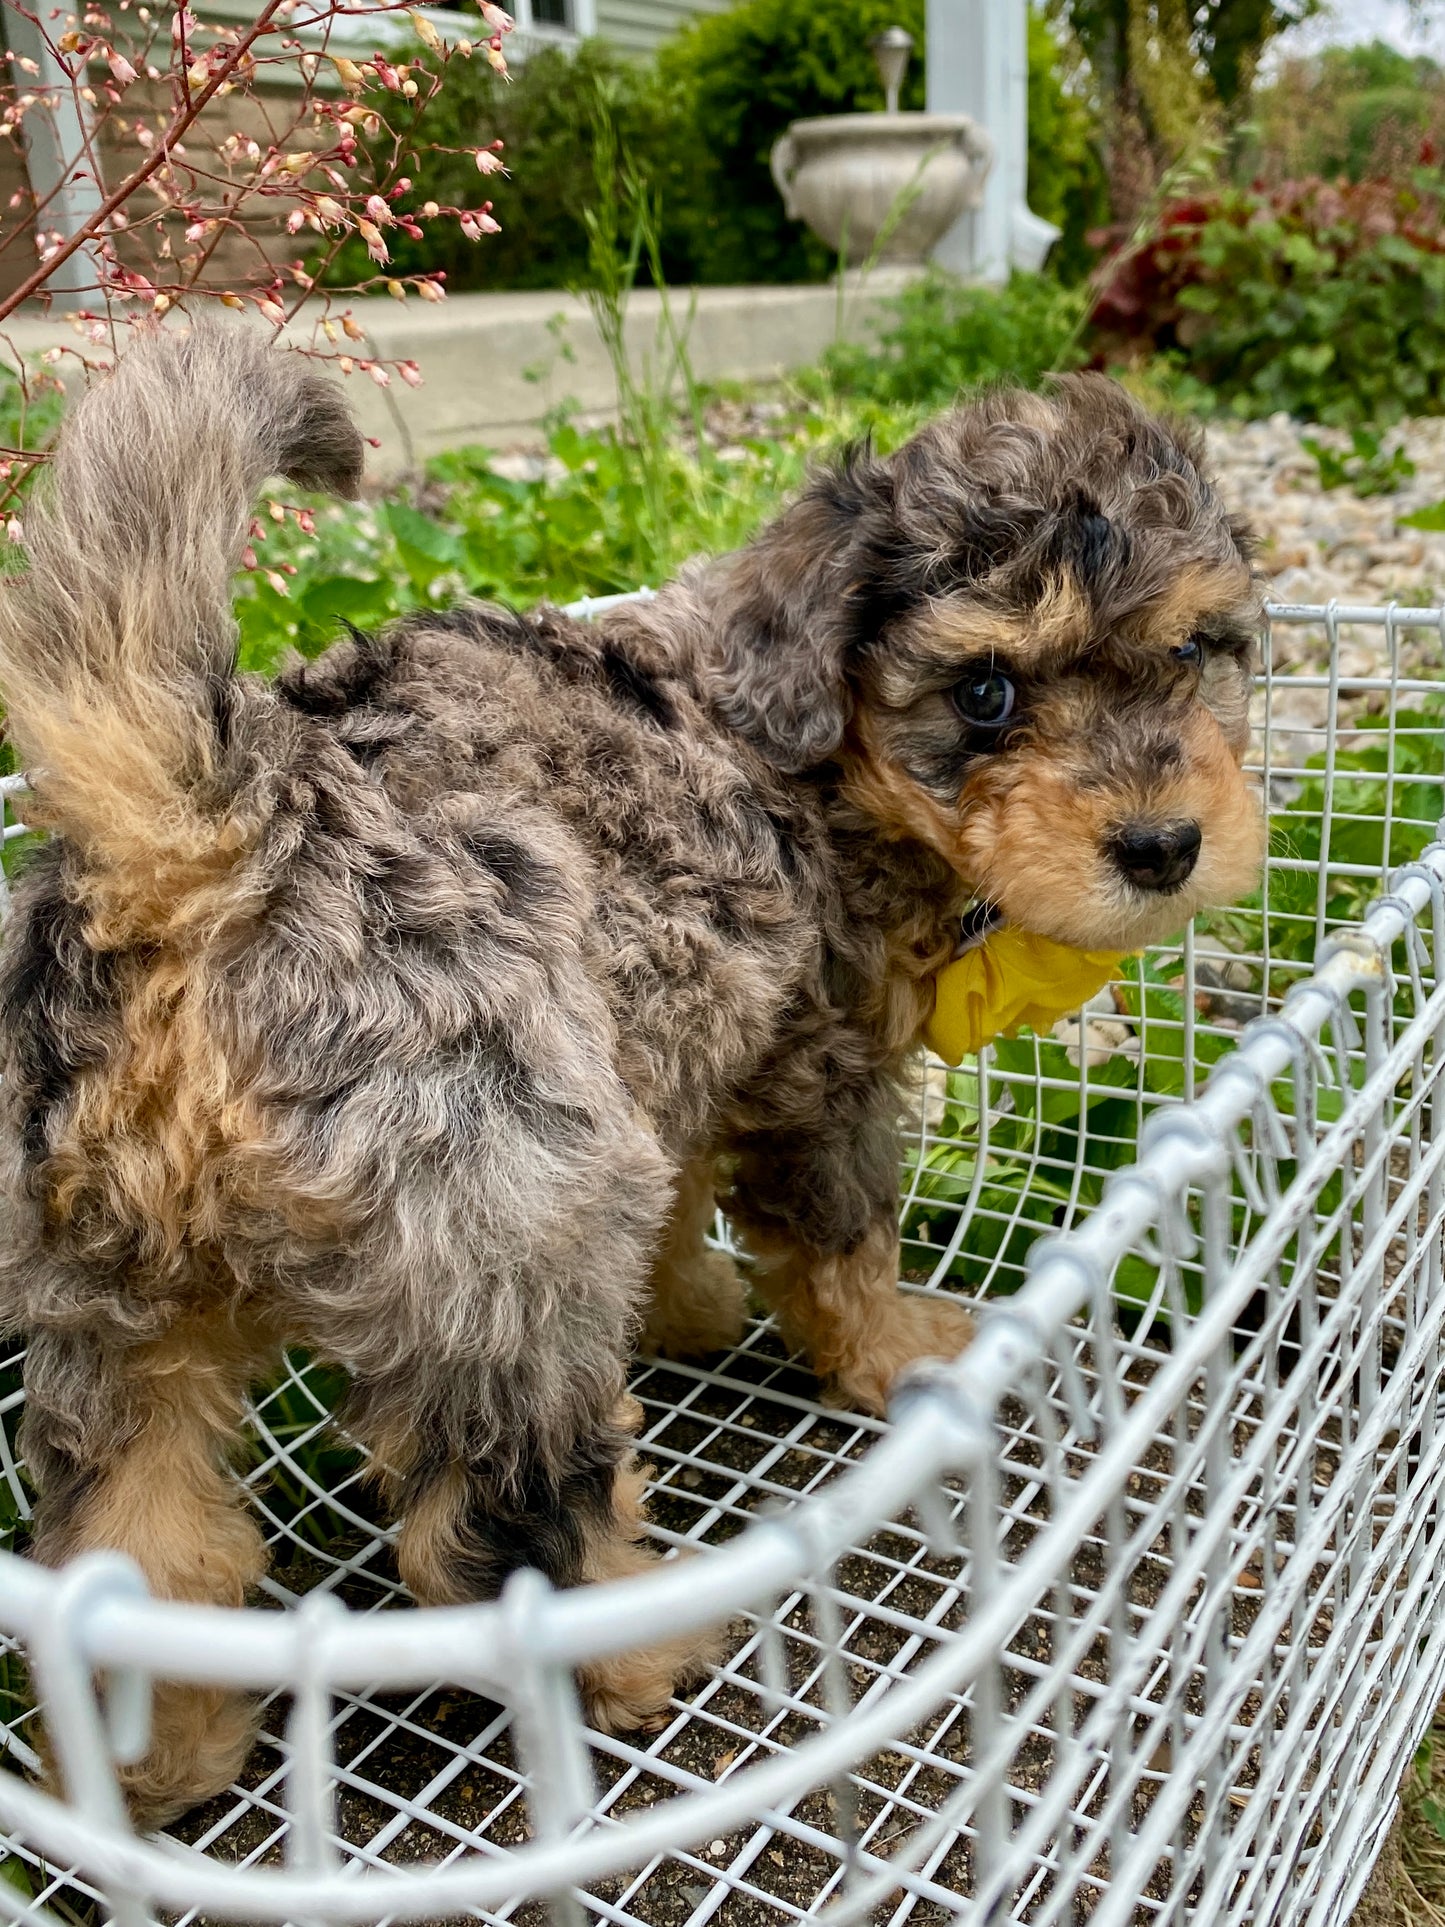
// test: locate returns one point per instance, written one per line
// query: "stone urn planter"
(882, 186)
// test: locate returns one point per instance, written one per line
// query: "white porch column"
(978, 65)
(57, 161)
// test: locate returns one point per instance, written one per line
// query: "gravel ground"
(1318, 544)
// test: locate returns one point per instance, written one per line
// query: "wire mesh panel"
(1132, 1613)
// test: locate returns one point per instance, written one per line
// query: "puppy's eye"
(985, 701)
(1189, 652)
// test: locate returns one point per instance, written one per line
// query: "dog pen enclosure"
(1132, 1613)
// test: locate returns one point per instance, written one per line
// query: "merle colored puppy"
(415, 1007)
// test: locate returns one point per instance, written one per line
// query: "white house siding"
(639, 25)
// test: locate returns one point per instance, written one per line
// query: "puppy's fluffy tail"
(115, 643)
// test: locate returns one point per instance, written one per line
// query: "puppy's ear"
(786, 618)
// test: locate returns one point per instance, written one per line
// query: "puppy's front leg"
(820, 1213)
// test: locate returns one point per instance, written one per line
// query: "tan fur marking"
(426, 1545)
(159, 864)
(170, 1502)
(1033, 841)
(1030, 837)
(959, 628)
(631, 1691)
(1219, 587)
(858, 1329)
(698, 1301)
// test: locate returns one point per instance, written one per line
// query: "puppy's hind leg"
(483, 1489)
(698, 1299)
(128, 1447)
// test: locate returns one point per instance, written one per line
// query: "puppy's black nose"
(1156, 856)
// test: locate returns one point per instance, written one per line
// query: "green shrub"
(1359, 112)
(743, 75)
(545, 118)
(947, 337)
(1325, 301)
(697, 126)
(1067, 184)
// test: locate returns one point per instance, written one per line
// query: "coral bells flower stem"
(98, 222)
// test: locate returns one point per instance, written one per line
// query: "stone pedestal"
(881, 187)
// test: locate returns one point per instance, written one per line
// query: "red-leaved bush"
(1323, 298)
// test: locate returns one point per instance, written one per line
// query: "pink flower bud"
(487, 162)
(296, 220)
(276, 316)
(409, 373)
(306, 521)
(248, 557)
(121, 68)
(431, 291)
(430, 210)
(378, 374)
(375, 246)
(277, 582)
(495, 17)
(378, 210)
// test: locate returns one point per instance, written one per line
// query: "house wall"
(639, 25)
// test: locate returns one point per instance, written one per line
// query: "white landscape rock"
(1319, 544)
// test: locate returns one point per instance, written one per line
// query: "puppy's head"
(1026, 640)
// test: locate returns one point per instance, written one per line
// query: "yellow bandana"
(1011, 979)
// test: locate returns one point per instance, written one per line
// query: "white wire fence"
(1133, 1613)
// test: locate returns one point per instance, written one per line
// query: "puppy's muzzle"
(1156, 856)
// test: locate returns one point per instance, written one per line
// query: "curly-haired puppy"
(410, 1008)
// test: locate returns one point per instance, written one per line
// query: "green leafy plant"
(1370, 468)
(543, 118)
(1430, 518)
(944, 337)
(1324, 300)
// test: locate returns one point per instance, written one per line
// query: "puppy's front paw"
(915, 1327)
